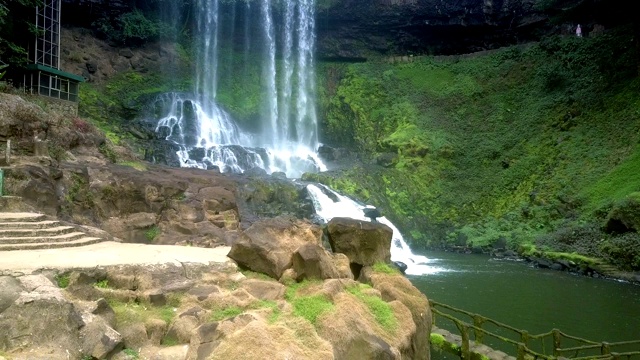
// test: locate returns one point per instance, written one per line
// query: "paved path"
(108, 253)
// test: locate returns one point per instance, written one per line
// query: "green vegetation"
(309, 307)
(132, 28)
(381, 267)
(224, 313)
(439, 343)
(131, 353)
(152, 233)
(62, 280)
(493, 150)
(131, 312)
(103, 284)
(381, 310)
(135, 164)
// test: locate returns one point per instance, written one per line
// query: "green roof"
(56, 72)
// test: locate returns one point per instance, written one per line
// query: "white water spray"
(288, 134)
(327, 209)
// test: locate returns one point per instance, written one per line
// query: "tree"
(15, 29)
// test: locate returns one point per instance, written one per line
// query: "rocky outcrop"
(398, 288)
(208, 312)
(268, 245)
(40, 318)
(356, 30)
(364, 242)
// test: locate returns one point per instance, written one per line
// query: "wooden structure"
(552, 345)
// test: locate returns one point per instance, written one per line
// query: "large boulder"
(268, 245)
(257, 340)
(41, 317)
(365, 243)
(395, 287)
(312, 261)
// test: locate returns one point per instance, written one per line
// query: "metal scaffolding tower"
(47, 42)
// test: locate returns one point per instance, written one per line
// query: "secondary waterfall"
(327, 208)
(281, 36)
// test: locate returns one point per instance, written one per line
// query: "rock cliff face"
(355, 29)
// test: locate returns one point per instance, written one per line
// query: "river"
(536, 300)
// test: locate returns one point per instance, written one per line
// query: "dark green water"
(535, 300)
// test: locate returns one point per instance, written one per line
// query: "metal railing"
(525, 343)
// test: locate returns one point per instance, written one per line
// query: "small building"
(43, 75)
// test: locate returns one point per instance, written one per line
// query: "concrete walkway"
(108, 253)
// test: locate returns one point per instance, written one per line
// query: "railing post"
(557, 340)
(464, 334)
(465, 343)
(521, 351)
(477, 322)
(524, 337)
(605, 348)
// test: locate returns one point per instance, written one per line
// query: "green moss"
(152, 233)
(311, 307)
(576, 258)
(132, 354)
(130, 312)
(62, 280)
(496, 148)
(381, 310)
(622, 181)
(381, 267)
(102, 284)
(225, 313)
(135, 164)
(440, 344)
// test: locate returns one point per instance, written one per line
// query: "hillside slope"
(535, 144)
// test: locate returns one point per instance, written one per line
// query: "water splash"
(341, 206)
(287, 139)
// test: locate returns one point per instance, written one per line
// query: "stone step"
(29, 225)
(51, 245)
(64, 238)
(21, 217)
(9, 232)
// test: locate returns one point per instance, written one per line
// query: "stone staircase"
(30, 231)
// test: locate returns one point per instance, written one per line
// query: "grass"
(131, 312)
(132, 354)
(381, 267)
(62, 280)
(225, 313)
(152, 233)
(621, 181)
(103, 284)
(381, 310)
(309, 307)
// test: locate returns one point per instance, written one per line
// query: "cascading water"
(328, 208)
(287, 137)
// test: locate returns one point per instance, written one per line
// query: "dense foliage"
(498, 148)
(14, 15)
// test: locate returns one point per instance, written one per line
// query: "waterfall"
(341, 206)
(287, 137)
